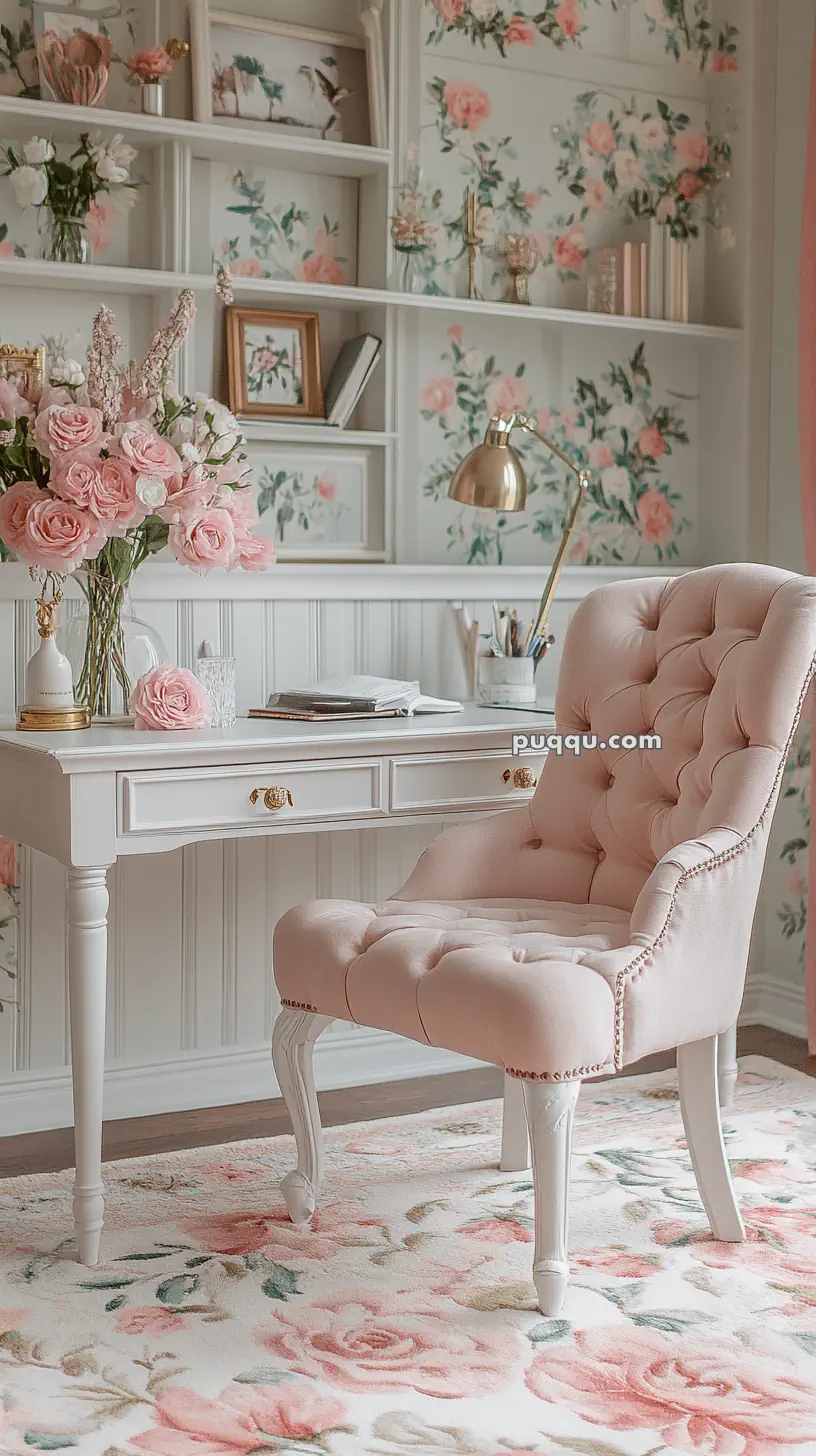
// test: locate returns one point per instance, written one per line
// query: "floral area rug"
(405, 1320)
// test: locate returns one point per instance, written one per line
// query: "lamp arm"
(526, 424)
(570, 522)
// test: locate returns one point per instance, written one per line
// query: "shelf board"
(263, 432)
(95, 278)
(213, 141)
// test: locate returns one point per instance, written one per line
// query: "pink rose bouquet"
(103, 468)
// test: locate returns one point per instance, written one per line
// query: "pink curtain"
(807, 430)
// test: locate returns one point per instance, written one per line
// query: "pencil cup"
(507, 680)
(217, 676)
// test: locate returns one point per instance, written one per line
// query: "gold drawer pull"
(273, 798)
(523, 778)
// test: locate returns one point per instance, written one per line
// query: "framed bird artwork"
(326, 84)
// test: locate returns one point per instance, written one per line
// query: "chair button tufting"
(534, 844)
(610, 781)
(601, 856)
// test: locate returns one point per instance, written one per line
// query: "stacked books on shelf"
(353, 697)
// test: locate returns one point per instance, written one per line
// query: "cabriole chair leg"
(727, 1065)
(699, 1103)
(515, 1144)
(550, 1109)
(293, 1039)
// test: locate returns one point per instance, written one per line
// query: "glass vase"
(65, 240)
(410, 274)
(108, 647)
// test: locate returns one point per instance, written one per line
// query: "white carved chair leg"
(727, 1065)
(515, 1143)
(550, 1109)
(87, 897)
(699, 1103)
(293, 1039)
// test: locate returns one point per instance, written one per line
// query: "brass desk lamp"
(492, 477)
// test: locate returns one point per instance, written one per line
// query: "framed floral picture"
(318, 503)
(273, 364)
(313, 82)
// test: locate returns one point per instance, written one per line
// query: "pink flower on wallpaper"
(325, 487)
(519, 32)
(450, 10)
(100, 223)
(655, 517)
(149, 1319)
(8, 867)
(600, 454)
(239, 1420)
(456, 332)
(691, 149)
(689, 185)
(439, 394)
(322, 266)
(595, 194)
(245, 268)
(650, 442)
(506, 394)
(579, 550)
(568, 17)
(497, 1231)
(569, 249)
(371, 1343)
(544, 420)
(796, 885)
(701, 1395)
(6, 248)
(600, 137)
(467, 105)
(720, 62)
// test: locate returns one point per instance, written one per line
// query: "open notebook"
(352, 697)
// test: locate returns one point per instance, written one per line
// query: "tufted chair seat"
(609, 918)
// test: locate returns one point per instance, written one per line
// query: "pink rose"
(245, 268)
(325, 487)
(778, 1241)
(6, 248)
(150, 64)
(203, 540)
(497, 1231)
(506, 395)
(600, 137)
(65, 427)
(450, 10)
(253, 553)
(239, 1420)
(600, 455)
(569, 249)
(243, 507)
(322, 268)
(8, 864)
(456, 332)
(149, 1319)
(467, 105)
(519, 32)
(721, 61)
(796, 885)
(544, 420)
(656, 517)
(618, 1263)
(168, 698)
(187, 494)
(14, 507)
(439, 394)
(375, 1343)
(272, 1233)
(147, 450)
(100, 223)
(689, 185)
(703, 1395)
(13, 405)
(116, 500)
(568, 18)
(691, 149)
(75, 478)
(595, 195)
(650, 442)
(59, 536)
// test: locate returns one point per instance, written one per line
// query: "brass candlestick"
(471, 239)
(522, 257)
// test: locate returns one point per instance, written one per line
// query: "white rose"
(151, 490)
(38, 150)
(616, 482)
(652, 134)
(67, 371)
(482, 9)
(30, 186)
(192, 453)
(116, 148)
(625, 417)
(473, 362)
(108, 170)
(627, 169)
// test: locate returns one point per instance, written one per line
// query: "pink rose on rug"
(59, 536)
(273, 1233)
(14, 507)
(568, 17)
(618, 1263)
(506, 395)
(372, 1343)
(8, 867)
(439, 394)
(691, 149)
(203, 541)
(467, 105)
(498, 1231)
(169, 698)
(519, 32)
(701, 1395)
(147, 450)
(651, 442)
(238, 1420)
(64, 427)
(776, 1240)
(656, 517)
(600, 137)
(149, 1319)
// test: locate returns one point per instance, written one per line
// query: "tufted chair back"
(716, 662)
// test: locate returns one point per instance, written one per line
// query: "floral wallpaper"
(618, 422)
(685, 29)
(284, 225)
(18, 56)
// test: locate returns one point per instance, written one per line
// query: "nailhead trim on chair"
(558, 1076)
(298, 1005)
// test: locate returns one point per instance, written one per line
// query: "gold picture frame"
(18, 362)
(273, 364)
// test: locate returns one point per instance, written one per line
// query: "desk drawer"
(215, 799)
(447, 781)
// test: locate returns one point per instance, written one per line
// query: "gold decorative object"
(471, 239)
(273, 798)
(522, 257)
(26, 366)
(177, 50)
(523, 778)
(491, 477)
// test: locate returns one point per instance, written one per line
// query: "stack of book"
(353, 697)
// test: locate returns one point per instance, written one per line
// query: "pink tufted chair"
(608, 918)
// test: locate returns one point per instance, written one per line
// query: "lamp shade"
(492, 475)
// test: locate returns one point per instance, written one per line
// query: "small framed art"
(273, 364)
(320, 83)
(320, 504)
(24, 366)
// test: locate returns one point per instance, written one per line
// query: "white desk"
(87, 798)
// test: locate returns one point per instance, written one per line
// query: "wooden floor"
(45, 1152)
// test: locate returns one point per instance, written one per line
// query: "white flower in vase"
(30, 186)
(68, 372)
(37, 151)
(151, 490)
(108, 170)
(116, 150)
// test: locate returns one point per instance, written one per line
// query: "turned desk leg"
(87, 984)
